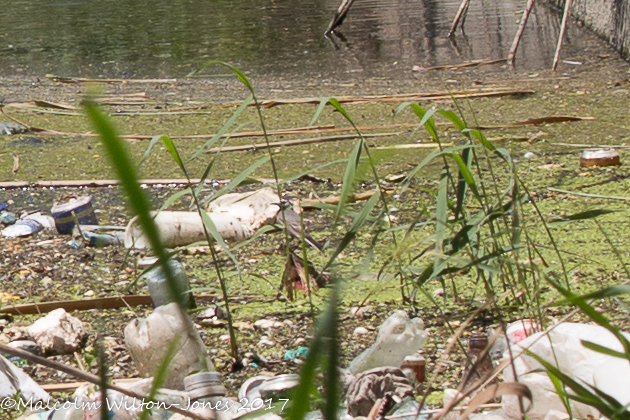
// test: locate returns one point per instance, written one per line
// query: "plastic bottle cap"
(204, 385)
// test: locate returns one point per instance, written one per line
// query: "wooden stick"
(339, 17)
(526, 80)
(71, 386)
(77, 305)
(591, 146)
(62, 79)
(11, 185)
(553, 119)
(374, 98)
(519, 32)
(86, 376)
(607, 197)
(413, 146)
(353, 100)
(310, 204)
(463, 9)
(437, 410)
(469, 64)
(556, 57)
(375, 409)
(261, 146)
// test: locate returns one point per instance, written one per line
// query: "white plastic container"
(562, 347)
(397, 338)
(148, 341)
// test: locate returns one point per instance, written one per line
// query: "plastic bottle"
(397, 338)
(148, 341)
(158, 286)
(205, 391)
(476, 369)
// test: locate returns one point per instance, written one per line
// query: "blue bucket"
(64, 217)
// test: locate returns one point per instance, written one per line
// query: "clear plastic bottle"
(158, 286)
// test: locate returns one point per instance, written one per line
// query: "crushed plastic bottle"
(407, 409)
(397, 338)
(148, 341)
(22, 228)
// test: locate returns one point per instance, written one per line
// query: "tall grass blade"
(173, 198)
(585, 215)
(434, 154)
(170, 147)
(454, 118)
(358, 222)
(319, 349)
(126, 173)
(594, 315)
(147, 152)
(348, 178)
(604, 350)
(426, 117)
(319, 110)
(238, 179)
(441, 216)
(160, 375)
(465, 178)
(606, 405)
(207, 145)
(612, 291)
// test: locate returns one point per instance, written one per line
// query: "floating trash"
(599, 157)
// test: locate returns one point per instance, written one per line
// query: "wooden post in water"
(519, 32)
(556, 57)
(342, 11)
(461, 13)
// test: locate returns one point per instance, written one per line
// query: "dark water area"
(267, 38)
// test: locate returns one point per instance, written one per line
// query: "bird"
(293, 224)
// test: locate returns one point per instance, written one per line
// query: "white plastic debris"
(514, 333)
(14, 380)
(252, 209)
(268, 323)
(397, 337)
(148, 341)
(493, 415)
(360, 331)
(57, 333)
(563, 344)
(236, 216)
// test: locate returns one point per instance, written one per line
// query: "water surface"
(276, 38)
